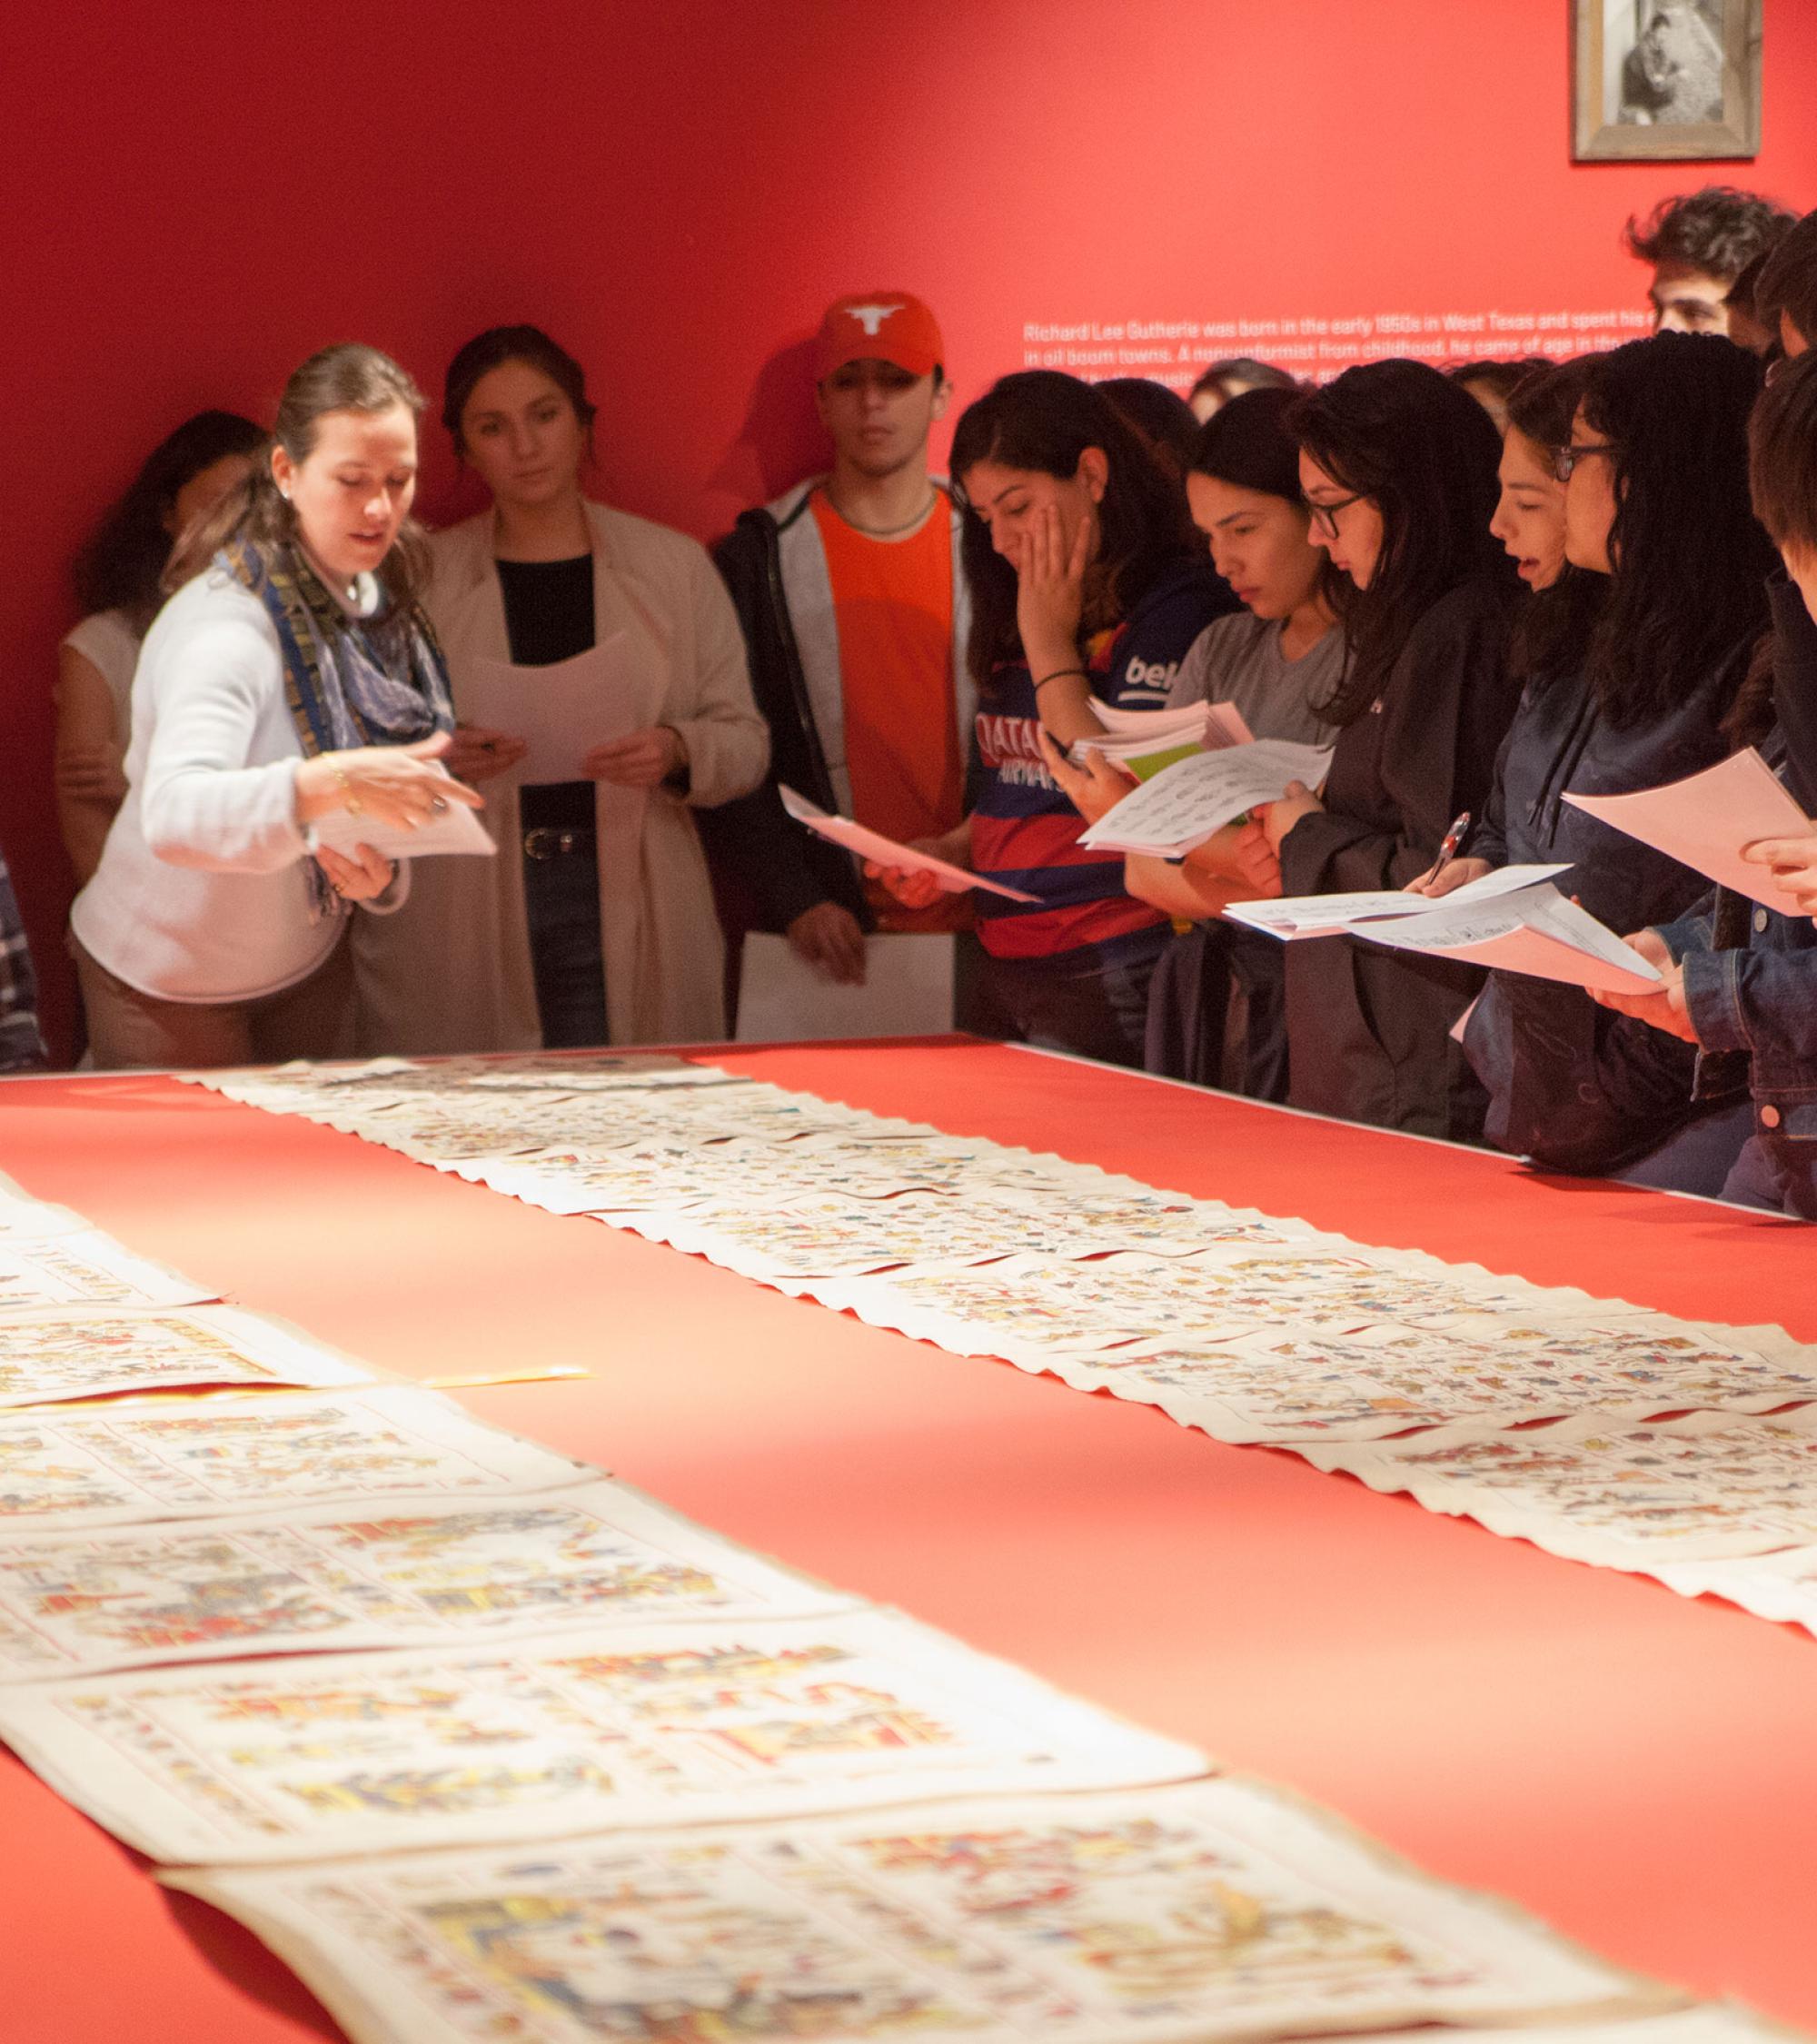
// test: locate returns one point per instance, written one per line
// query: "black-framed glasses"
(1565, 460)
(1325, 516)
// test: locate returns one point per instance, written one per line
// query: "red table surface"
(1639, 1770)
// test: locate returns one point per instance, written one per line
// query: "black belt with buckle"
(545, 842)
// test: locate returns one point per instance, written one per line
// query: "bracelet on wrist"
(1059, 674)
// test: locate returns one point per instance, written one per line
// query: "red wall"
(198, 194)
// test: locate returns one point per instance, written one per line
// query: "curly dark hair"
(1717, 231)
(1691, 560)
(1424, 453)
(1551, 635)
(1042, 419)
(122, 566)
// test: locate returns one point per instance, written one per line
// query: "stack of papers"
(1706, 821)
(1194, 799)
(1513, 920)
(1147, 740)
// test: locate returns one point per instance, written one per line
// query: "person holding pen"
(1649, 571)
(1398, 468)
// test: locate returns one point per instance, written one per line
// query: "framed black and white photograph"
(1659, 80)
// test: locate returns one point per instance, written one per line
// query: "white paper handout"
(52, 1356)
(1537, 932)
(1208, 1912)
(24, 1219)
(303, 1757)
(456, 828)
(1782, 1587)
(1195, 797)
(908, 991)
(305, 1578)
(1705, 820)
(117, 1465)
(871, 843)
(560, 711)
(1612, 1491)
(87, 1269)
(1297, 915)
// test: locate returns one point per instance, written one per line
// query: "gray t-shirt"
(1238, 660)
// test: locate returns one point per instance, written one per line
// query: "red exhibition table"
(1638, 1769)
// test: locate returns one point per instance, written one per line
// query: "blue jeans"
(562, 904)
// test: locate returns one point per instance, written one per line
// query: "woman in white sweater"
(291, 675)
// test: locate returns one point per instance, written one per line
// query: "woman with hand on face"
(1276, 660)
(119, 578)
(595, 924)
(1649, 572)
(1740, 980)
(291, 677)
(1397, 465)
(1088, 585)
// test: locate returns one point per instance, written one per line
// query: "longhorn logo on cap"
(870, 317)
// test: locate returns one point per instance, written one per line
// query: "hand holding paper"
(1708, 820)
(1187, 802)
(452, 828)
(1793, 862)
(886, 852)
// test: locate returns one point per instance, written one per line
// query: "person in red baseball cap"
(854, 618)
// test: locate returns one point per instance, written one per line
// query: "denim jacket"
(1751, 973)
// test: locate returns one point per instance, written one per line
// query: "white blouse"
(203, 891)
(107, 641)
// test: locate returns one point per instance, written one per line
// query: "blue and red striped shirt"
(1024, 832)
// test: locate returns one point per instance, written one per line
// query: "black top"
(548, 616)
(1368, 1026)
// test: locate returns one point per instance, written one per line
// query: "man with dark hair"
(854, 614)
(1697, 243)
(1785, 291)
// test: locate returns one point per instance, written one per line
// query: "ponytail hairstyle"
(1424, 453)
(348, 377)
(122, 567)
(1551, 635)
(492, 350)
(1691, 560)
(1041, 420)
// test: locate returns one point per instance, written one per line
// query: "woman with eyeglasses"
(1738, 979)
(1398, 468)
(1632, 654)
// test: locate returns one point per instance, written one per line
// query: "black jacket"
(1369, 1029)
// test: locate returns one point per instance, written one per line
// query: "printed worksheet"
(1619, 1495)
(308, 1756)
(282, 1582)
(88, 1269)
(114, 1465)
(1284, 1385)
(1212, 1910)
(45, 1357)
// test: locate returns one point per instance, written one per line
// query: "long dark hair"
(1041, 420)
(1551, 634)
(348, 377)
(1424, 453)
(1245, 443)
(492, 350)
(122, 566)
(1691, 560)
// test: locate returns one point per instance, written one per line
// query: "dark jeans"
(562, 901)
(1781, 1177)
(1093, 1010)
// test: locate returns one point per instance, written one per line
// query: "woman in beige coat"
(599, 675)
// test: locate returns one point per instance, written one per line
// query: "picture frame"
(1667, 81)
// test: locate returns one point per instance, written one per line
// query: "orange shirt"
(893, 601)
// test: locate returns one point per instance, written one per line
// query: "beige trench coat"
(450, 971)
